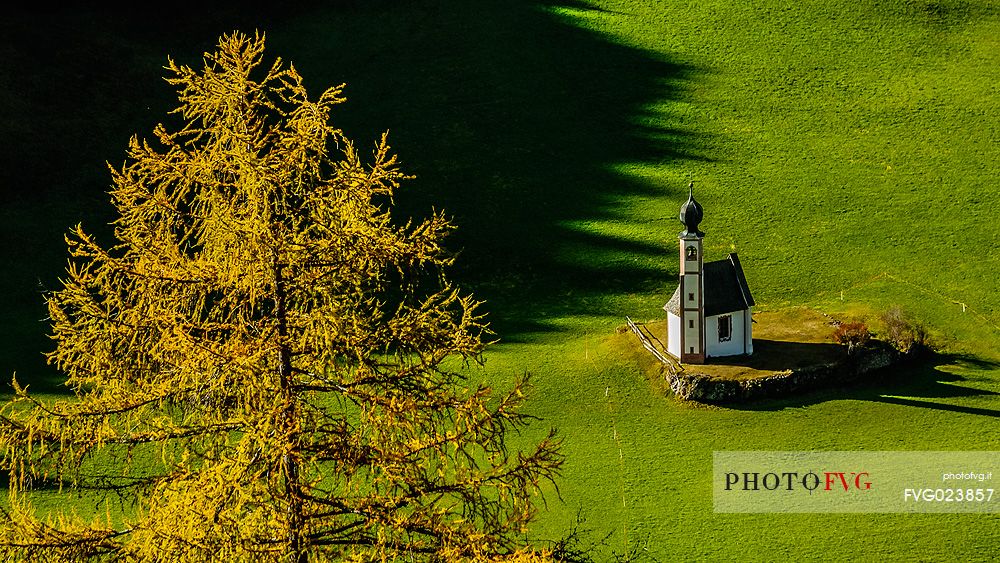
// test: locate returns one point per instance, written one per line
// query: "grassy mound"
(782, 340)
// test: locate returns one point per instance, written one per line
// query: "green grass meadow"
(849, 151)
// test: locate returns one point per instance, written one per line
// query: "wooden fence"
(646, 339)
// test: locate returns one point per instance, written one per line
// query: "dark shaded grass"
(509, 118)
(923, 383)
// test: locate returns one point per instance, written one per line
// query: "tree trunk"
(290, 465)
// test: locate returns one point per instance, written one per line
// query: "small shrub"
(904, 333)
(853, 335)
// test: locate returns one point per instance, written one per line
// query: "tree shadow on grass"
(75, 84)
(919, 383)
(511, 115)
(513, 118)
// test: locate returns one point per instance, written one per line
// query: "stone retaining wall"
(706, 389)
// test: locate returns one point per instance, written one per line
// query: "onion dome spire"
(691, 214)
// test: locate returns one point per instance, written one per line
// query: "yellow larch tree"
(291, 354)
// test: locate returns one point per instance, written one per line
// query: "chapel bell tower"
(692, 283)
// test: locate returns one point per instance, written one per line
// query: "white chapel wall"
(674, 334)
(731, 347)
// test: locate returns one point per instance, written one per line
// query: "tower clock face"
(692, 252)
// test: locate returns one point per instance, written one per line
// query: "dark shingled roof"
(726, 289)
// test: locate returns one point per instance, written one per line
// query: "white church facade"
(710, 313)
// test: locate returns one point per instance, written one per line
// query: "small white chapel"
(709, 315)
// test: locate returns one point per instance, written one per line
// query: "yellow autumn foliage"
(283, 345)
